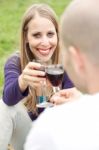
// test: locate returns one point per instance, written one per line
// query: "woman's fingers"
(31, 76)
(27, 77)
(32, 72)
(34, 65)
(33, 80)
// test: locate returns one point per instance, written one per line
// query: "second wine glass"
(54, 73)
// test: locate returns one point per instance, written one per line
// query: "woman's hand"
(65, 95)
(31, 76)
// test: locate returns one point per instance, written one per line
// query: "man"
(75, 125)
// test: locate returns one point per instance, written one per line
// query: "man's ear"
(77, 59)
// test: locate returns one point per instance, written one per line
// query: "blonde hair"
(26, 55)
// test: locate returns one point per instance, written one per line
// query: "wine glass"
(54, 73)
(42, 100)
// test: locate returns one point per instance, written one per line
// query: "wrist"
(22, 83)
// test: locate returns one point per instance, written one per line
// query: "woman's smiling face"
(42, 38)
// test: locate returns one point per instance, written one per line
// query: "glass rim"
(54, 66)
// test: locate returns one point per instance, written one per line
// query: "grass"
(11, 12)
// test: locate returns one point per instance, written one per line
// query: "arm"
(17, 82)
(12, 93)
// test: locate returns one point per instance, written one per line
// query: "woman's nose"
(45, 40)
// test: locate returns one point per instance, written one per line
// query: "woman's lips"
(44, 51)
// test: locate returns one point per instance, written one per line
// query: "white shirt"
(71, 126)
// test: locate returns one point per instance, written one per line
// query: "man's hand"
(65, 95)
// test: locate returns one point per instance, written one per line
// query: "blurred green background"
(11, 12)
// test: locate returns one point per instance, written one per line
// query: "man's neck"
(93, 82)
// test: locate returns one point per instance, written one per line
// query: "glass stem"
(43, 88)
(56, 89)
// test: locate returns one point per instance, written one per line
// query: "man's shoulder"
(70, 109)
(68, 123)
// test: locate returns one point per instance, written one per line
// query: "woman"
(39, 40)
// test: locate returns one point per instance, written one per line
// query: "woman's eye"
(50, 34)
(36, 35)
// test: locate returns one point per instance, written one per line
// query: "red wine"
(55, 75)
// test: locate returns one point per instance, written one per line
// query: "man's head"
(80, 36)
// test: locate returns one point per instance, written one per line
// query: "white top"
(71, 126)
